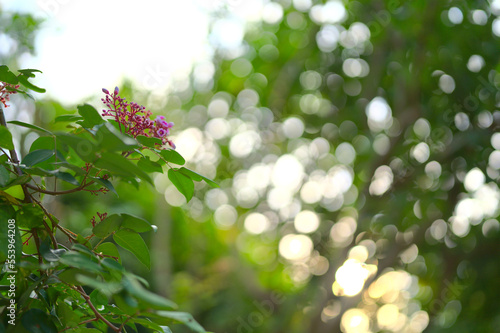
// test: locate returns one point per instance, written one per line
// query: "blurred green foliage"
(383, 115)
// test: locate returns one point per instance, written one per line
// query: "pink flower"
(161, 132)
(133, 118)
(6, 89)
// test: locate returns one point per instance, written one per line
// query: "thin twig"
(82, 323)
(102, 240)
(56, 224)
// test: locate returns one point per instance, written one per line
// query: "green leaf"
(68, 117)
(149, 141)
(69, 275)
(112, 140)
(76, 169)
(90, 116)
(81, 261)
(98, 298)
(7, 76)
(121, 166)
(118, 221)
(53, 173)
(135, 289)
(19, 180)
(83, 249)
(106, 183)
(43, 142)
(13, 193)
(173, 156)
(108, 288)
(37, 156)
(30, 216)
(37, 321)
(112, 264)
(197, 177)
(134, 243)
(147, 323)
(6, 138)
(79, 238)
(24, 81)
(49, 142)
(4, 176)
(182, 182)
(149, 166)
(126, 303)
(29, 72)
(182, 318)
(107, 226)
(30, 126)
(109, 249)
(83, 147)
(68, 317)
(66, 177)
(135, 223)
(50, 254)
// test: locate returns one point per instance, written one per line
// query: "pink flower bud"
(116, 90)
(105, 91)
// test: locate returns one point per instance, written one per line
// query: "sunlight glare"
(295, 247)
(351, 277)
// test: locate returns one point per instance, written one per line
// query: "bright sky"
(87, 45)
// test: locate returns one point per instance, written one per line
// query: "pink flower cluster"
(133, 118)
(5, 92)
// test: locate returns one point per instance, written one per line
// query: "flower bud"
(106, 91)
(116, 90)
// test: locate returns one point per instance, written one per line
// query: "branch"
(15, 160)
(82, 323)
(49, 231)
(92, 307)
(76, 189)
